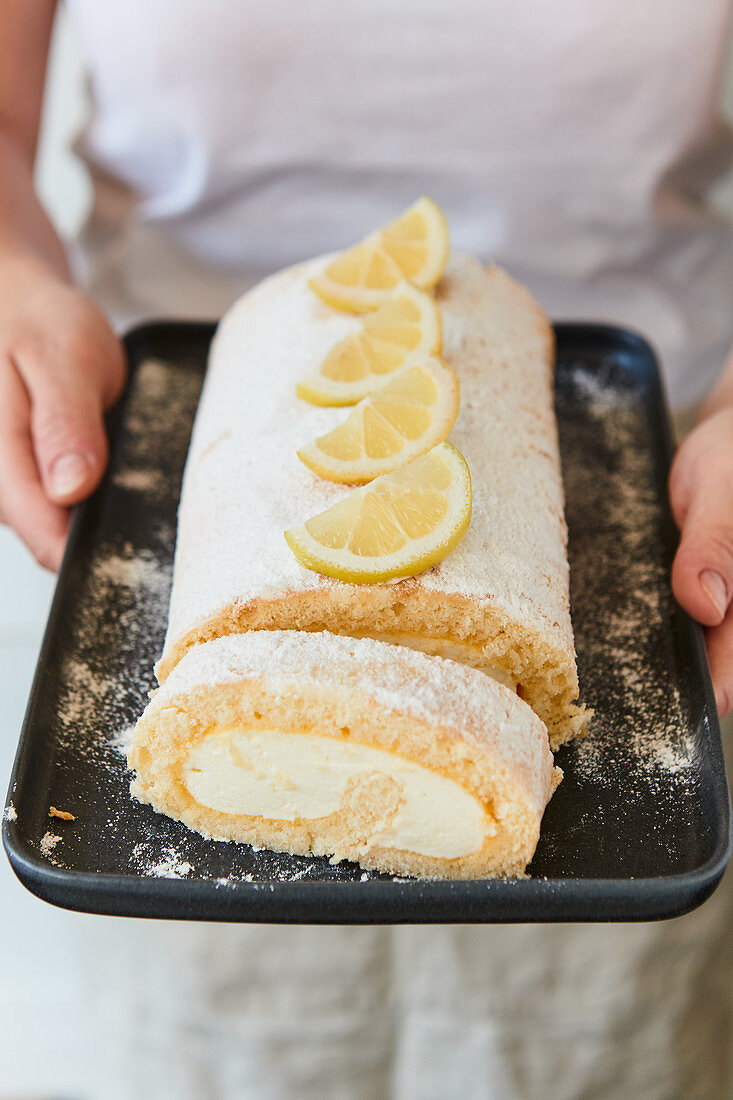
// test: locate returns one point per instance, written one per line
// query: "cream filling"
(291, 776)
(462, 652)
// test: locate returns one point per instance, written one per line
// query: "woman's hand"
(61, 366)
(701, 492)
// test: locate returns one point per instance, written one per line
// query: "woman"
(574, 144)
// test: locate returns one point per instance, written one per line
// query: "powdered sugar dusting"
(141, 481)
(123, 739)
(127, 587)
(615, 514)
(133, 588)
(151, 861)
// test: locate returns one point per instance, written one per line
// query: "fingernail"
(68, 474)
(715, 589)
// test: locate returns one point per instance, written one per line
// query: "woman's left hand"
(701, 493)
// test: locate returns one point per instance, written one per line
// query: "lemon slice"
(397, 526)
(413, 247)
(405, 418)
(404, 329)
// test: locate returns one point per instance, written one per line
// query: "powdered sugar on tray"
(127, 594)
(127, 587)
(150, 860)
(617, 562)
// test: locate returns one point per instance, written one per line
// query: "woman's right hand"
(61, 366)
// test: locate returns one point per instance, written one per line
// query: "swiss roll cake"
(322, 744)
(497, 603)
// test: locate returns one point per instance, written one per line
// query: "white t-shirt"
(572, 142)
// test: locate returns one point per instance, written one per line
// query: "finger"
(702, 573)
(680, 479)
(67, 426)
(41, 524)
(719, 642)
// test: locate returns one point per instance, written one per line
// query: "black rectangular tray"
(639, 829)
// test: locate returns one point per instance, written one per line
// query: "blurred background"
(42, 1041)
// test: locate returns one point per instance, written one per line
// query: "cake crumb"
(9, 813)
(63, 814)
(49, 841)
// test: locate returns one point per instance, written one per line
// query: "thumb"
(702, 573)
(69, 439)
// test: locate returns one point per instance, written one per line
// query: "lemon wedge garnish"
(405, 329)
(405, 418)
(397, 526)
(413, 247)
